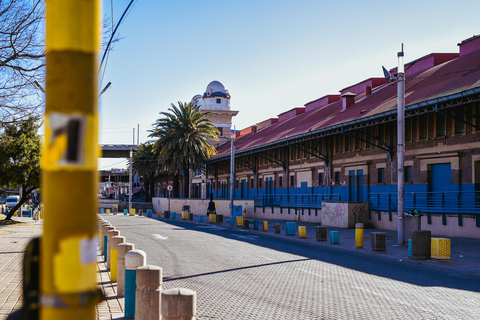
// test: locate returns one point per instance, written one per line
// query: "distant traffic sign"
(170, 187)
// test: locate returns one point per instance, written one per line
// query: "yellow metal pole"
(69, 161)
(359, 235)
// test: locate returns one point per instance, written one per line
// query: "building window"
(381, 175)
(477, 113)
(423, 127)
(358, 144)
(459, 125)
(408, 129)
(439, 125)
(213, 188)
(292, 181)
(219, 100)
(368, 137)
(259, 182)
(236, 184)
(347, 143)
(337, 144)
(381, 133)
(251, 183)
(408, 174)
(280, 181)
(320, 178)
(337, 177)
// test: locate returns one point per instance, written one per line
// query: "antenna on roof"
(387, 74)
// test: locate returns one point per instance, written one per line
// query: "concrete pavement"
(465, 254)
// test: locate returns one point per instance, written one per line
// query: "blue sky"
(270, 55)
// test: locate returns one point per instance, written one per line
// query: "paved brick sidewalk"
(112, 307)
(14, 238)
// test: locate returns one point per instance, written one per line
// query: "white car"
(12, 201)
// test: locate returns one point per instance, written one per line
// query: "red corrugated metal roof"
(450, 77)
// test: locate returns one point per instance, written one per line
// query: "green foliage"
(20, 155)
(183, 140)
(183, 137)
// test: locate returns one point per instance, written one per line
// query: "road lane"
(242, 274)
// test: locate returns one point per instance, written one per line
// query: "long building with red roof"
(342, 147)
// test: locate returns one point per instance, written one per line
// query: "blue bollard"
(410, 248)
(334, 237)
(125, 212)
(130, 289)
(200, 218)
(149, 213)
(255, 224)
(105, 242)
(291, 228)
(101, 210)
(133, 259)
(232, 221)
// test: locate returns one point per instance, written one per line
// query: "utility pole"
(138, 134)
(400, 145)
(130, 183)
(68, 259)
(232, 173)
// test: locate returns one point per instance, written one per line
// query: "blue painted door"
(439, 187)
(244, 189)
(360, 185)
(351, 187)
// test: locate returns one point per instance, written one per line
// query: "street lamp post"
(400, 145)
(232, 174)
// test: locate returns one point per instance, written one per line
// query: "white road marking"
(312, 273)
(159, 237)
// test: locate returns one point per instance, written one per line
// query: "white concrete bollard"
(179, 304)
(102, 231)
(123, 248)
(110, 234)
(133, 259)
(147, 297)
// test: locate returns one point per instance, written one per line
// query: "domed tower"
(216, 100)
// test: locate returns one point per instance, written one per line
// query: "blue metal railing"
(465, 202)
(294, 200)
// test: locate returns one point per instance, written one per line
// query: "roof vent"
(368, 91)
(348, 100)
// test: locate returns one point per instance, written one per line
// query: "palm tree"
(145, 164)
(182, 144)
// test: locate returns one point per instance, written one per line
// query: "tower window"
(219, 100)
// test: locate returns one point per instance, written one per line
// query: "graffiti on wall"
(360, 213)
(334, 214)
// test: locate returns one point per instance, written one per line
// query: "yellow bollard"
(359, 235)
(265, 225)
(211, 218)
(440, 248)
(116, 240)
(239, 221)
(132, 212)
(108, 211)
(70, 153)
(184, 215)
(159, 214)
(302, 232)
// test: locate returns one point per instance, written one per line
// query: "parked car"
(2, 201)
(12, 201)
